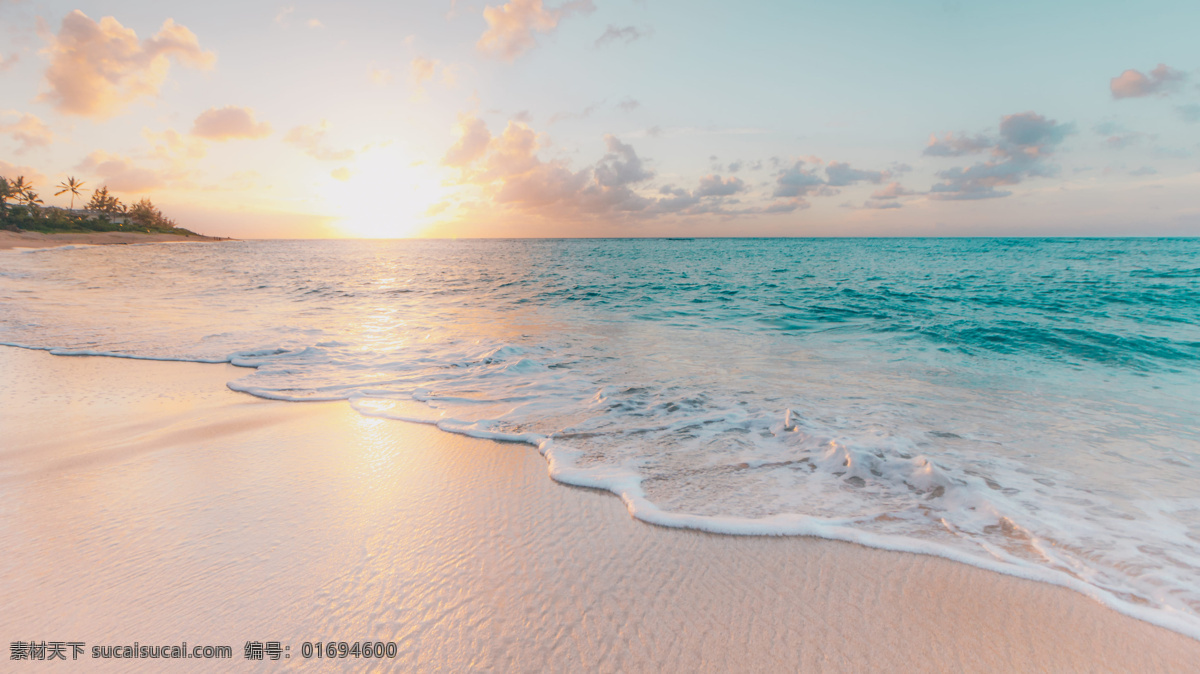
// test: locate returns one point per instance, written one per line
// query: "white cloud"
(96, 69)
(511, 26)
(1134, 84)
(29, 132)
(229, 123)
(616, 188)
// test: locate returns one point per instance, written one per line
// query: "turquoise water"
(1024, 405)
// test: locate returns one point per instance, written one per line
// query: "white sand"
(10, 240)
(142, 501)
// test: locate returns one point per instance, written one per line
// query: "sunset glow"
(574, 119)
(600, 335)
(385, 196)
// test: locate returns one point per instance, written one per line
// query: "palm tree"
(71, 185)
(24, 193)
(6, 193)
(19, 186)
(30, 199)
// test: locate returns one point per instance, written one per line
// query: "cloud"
(96, 69)
(12, 171)
(511, 26)
(582, 114)
(314, 23)
(1120, 141)
(516, 176)
(29, 132)
(1190, 113)
(872, 204)
(282, 15)
(714, 186)
(473, 141)
(1144, 171)
(422, 69)
(976, 182)
(120, 173)
(312, 142)
(1031, 134)
(174, 155)
(840, 174)
(892, 190)
(797, 181)
(628, 104)
(341, 173)
(512, 177)
(786, 206)
(887, 197)
(229, 123)
(1133, 84)
(626, 35)
(1023, 143)
(8, 62)
(621, 166)
(175, 149)
(956, 146)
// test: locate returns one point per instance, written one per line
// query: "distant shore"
(10, 240)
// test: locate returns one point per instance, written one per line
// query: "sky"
(614, 118)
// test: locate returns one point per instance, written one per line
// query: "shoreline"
(633, 498)
(165, 505)
(26, 239)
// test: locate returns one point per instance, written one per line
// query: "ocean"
(1030, 406)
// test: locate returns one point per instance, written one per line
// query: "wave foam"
(876, 394)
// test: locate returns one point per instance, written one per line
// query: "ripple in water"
(1024, 405)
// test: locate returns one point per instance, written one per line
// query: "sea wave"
(1025, 407)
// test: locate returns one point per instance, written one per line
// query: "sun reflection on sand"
(313, 522)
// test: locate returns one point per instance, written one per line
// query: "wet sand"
(145, 502)
(9, 240)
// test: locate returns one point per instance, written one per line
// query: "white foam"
(110, 354)
(724, 430)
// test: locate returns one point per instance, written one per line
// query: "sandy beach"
(582, 336)
(9, 240)
(145, 502)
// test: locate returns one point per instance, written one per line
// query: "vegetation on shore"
(22, 210)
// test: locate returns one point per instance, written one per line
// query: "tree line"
(102, 213)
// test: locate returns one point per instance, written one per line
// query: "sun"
(383, 194)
